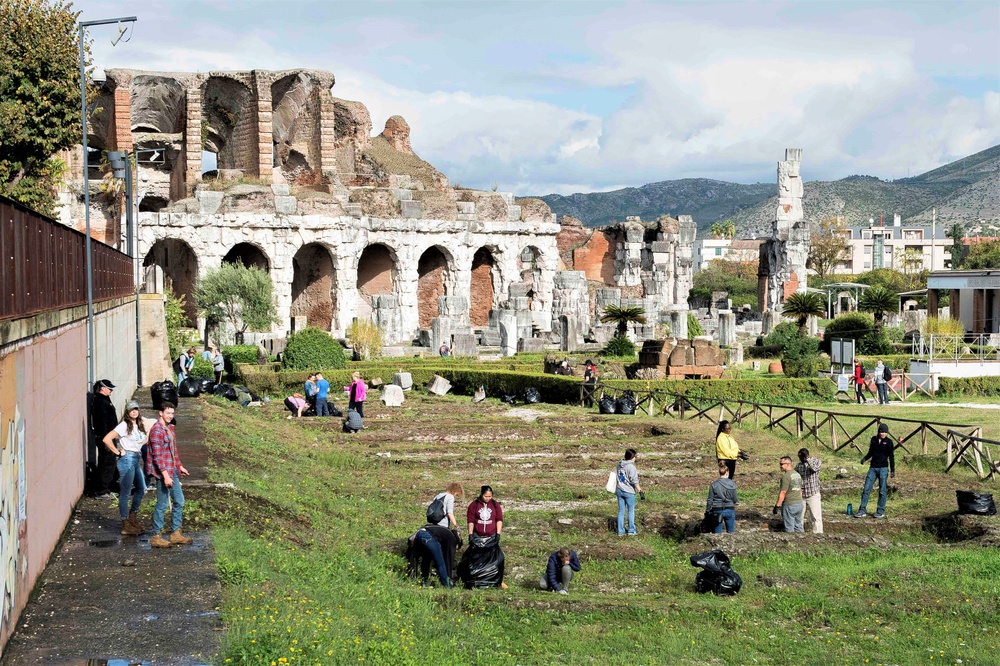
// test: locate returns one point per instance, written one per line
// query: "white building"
(707, 250)
(905, 249)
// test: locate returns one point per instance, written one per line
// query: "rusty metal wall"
(43, 265)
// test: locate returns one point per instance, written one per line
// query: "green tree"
(623, 316)
(737, 278)
(878, 300)
(801, 306)
(313, 349)
(694, 327)
(240, 295)
(827, 245)
(39, 98)
(729, 229)
(957, 235)
(983, 255)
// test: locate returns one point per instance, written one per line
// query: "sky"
(566, 96)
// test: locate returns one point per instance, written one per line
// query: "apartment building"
(905, 249)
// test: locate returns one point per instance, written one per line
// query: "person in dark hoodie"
(433, 542)
(883, 463)
(103, 420)
(722, 500)
(559, 571)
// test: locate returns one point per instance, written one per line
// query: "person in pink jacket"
(357, 392)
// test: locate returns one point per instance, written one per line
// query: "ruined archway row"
(401, 286)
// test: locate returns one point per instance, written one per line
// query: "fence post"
(923, 438)
(798, 424)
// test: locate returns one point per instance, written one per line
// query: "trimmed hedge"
(766, 351)
(894, 361)
(985, 387)
(313, 349)
(776, 390)
(202, 368)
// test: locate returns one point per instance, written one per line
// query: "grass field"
(311, 531)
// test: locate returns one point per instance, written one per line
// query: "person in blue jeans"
(883, 464)
(433, 542)
(126, 442)
(322, 393)
(722, 500)
(628, 486)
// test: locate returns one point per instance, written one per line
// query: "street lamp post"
(86, 186)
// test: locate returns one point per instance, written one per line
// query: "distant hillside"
(965, 190)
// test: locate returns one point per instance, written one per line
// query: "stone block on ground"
(393, 351)
(403, 380)
(439, 385)
(463, 344)
(392, 396)
(479, 395)
(708, 355)
(376, 382)
(531, 345)
(490, 337)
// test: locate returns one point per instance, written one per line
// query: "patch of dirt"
(525, 414)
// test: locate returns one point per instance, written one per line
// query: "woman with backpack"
(126, 442)
(446, 506)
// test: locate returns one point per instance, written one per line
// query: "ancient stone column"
(727, 328)
(192, 138)
(679, 322)
(265, 129)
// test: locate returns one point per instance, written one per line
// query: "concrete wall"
(43, 432)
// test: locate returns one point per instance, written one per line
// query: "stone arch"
(157, 104)
(295, 122)
(313, 286)
(482, 287)
(433, 273)
(248, 254)
(230, 124)
(377, 274)
(179, 264)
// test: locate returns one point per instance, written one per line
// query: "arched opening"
(313, 295)
(229, 126)
(152, 204)
(248, 255)
(432, 269)
(180, 270)
(481, 288)
(295, 130)
(376, 275)
(529, 268)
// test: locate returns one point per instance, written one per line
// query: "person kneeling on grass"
(559, 571)
(353, 422)
(296, 404)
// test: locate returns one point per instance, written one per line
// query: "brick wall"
(596, 258)
(481, 288)
(430, 285)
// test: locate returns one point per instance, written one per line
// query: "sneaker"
(879, 514)
(861, 514)
(105, 496)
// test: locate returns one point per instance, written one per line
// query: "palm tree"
(717, 230)
(729, 229)
(801, 306)
(878, 300)
(623, 317)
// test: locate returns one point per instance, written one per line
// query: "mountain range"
(967, 191)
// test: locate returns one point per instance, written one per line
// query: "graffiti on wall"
(13, 524)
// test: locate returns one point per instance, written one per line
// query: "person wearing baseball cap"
(883, 463)
(126, 442)
(103, 419)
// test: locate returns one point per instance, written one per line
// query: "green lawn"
(310, 547)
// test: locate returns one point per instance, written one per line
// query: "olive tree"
(242, 296)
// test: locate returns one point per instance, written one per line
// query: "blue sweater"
(552, 570)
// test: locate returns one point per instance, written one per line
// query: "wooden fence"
(834, 430)
(973, 451)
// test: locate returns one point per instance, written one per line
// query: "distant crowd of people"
(315, 401)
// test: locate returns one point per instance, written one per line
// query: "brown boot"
(128, 529)
(159, 542)
(179, 539)
(134, 519)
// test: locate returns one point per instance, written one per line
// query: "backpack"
(887, 374)
(435, 512)
(177, 366)
(863, 372)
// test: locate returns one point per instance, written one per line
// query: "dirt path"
(105, 596)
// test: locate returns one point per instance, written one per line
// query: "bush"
(894, 361)
(619, 346)
(874, 343)
(176, 321)
(237, 354)
(986, 387)
(765, 390)
(694, 326)
(942, 326)
(800, 357)
(854, 325)
(366, 337)
(202, 368)
(781, 335)
(767, 351)
(313, 349)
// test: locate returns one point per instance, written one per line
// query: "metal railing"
(43, 265)
(953, 348)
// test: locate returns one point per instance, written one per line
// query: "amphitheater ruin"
(270, 169)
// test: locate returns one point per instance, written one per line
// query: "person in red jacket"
(859, 381)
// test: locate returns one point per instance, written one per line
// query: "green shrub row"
(986, 387)
(766, 351)
(313, 349)
(778, 390)
(894, 361)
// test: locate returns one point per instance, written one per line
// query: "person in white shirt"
(126, 442)
(453, 490)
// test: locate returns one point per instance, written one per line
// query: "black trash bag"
(334, 411)
(482, 564)
(626, 404)
(724, 583)
(532, 396)
(226, 391)
(976, 504)
(716, 575)
(189, 388)
(162, 392)
(509, 399)
(206, 385)
(607, 405)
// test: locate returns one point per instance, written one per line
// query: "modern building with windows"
(905, 249)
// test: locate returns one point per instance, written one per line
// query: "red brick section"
(481, 288)
(791, 286)
(192, 140)
(572, 234)
(430, 285)
(263, 116)
(596, 258)
(375, 272)
(312, 286)
(122, 113)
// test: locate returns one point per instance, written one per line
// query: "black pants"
(359, 407)
(107, 467)
(731, 464)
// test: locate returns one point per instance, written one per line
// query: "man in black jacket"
(880, 451)
(103, 420)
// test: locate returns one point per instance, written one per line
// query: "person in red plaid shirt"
(164, 463)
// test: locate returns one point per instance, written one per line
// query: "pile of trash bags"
(532, 396)
(975, 504)
(162, 392)
(482, 564)
(607, 405)
(626, 404)
(716, 574)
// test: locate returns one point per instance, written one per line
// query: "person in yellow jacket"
(726, 448)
